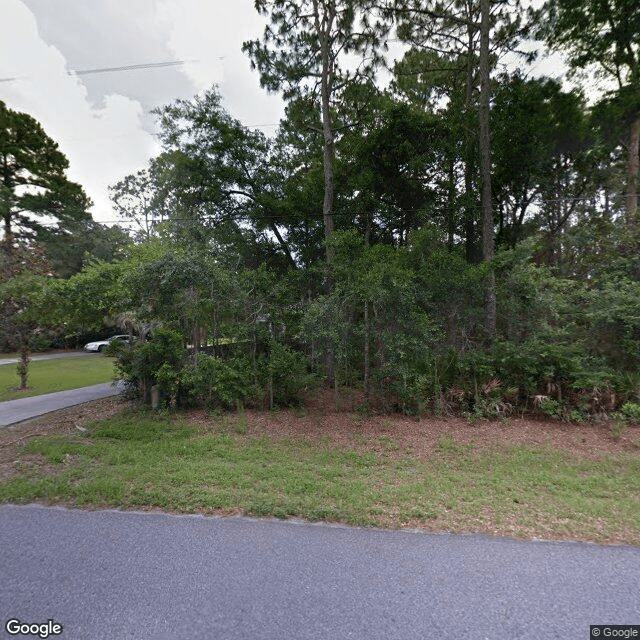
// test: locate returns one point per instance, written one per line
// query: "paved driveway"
(53, 356)
(118, 576)
(13, 411)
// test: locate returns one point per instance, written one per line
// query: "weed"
(617, 428)
(389, 443)
(551, 407)
(446, 444)
(631, 411)
(575, 415)
(241, 425)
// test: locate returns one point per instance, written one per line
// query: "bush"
(212, 382)
(631, 411)
(158, 361)
(285, 375)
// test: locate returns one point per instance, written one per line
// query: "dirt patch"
(420, 438)
(63, 422)
(400, 435)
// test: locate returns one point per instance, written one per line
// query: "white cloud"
(103, 143)
(212, 32)
(102, 121)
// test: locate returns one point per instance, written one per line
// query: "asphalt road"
(118, 576)
(13, 411)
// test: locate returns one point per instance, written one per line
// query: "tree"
(213, 177)
(26, 304)
(33, 183)
(134, 199)
(397, 171)
(604, 33)
(445, 62)
(472, 32)
(71, 246)
(302, 54)
(540, 148)
(488, 231)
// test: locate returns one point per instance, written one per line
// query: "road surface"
(13, 411)
(125, 575)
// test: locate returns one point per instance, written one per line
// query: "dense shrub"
(211, 382)
(285, 374)
(157, 361)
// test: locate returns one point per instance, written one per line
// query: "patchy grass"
(138, 461)
(60, 374)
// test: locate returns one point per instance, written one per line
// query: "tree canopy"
(459, 239)
(34, 186)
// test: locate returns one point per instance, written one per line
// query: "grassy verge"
(47, 376)
(133, 461)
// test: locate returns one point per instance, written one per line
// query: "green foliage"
(94, 297)
(157, 361)
(211, 382)
(631, 411)
(287, 375)
(28, 307)
(551, 407)
(33, 177)
(233, 267)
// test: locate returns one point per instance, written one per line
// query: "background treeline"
(465, 239)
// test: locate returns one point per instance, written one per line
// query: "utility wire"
(129, 67)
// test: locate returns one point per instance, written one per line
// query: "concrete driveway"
(13, 411)
(52, 356)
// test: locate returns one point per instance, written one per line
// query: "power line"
(129, 67)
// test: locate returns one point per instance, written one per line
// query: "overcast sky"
(102, 121)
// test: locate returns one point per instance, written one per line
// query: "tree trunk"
(485, 170)
(632, 175)
(328, 134)
(23, 366)
(6, 246)
(451, 203)
(328, 166)
(469, 150)
(367, 329)
(367, 355)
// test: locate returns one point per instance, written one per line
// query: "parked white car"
(101, 345)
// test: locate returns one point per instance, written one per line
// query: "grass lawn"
(47, 376)
(135, 460)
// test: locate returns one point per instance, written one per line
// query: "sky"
(103, 121)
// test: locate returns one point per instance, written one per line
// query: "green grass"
(133, 461)
(47, 376)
